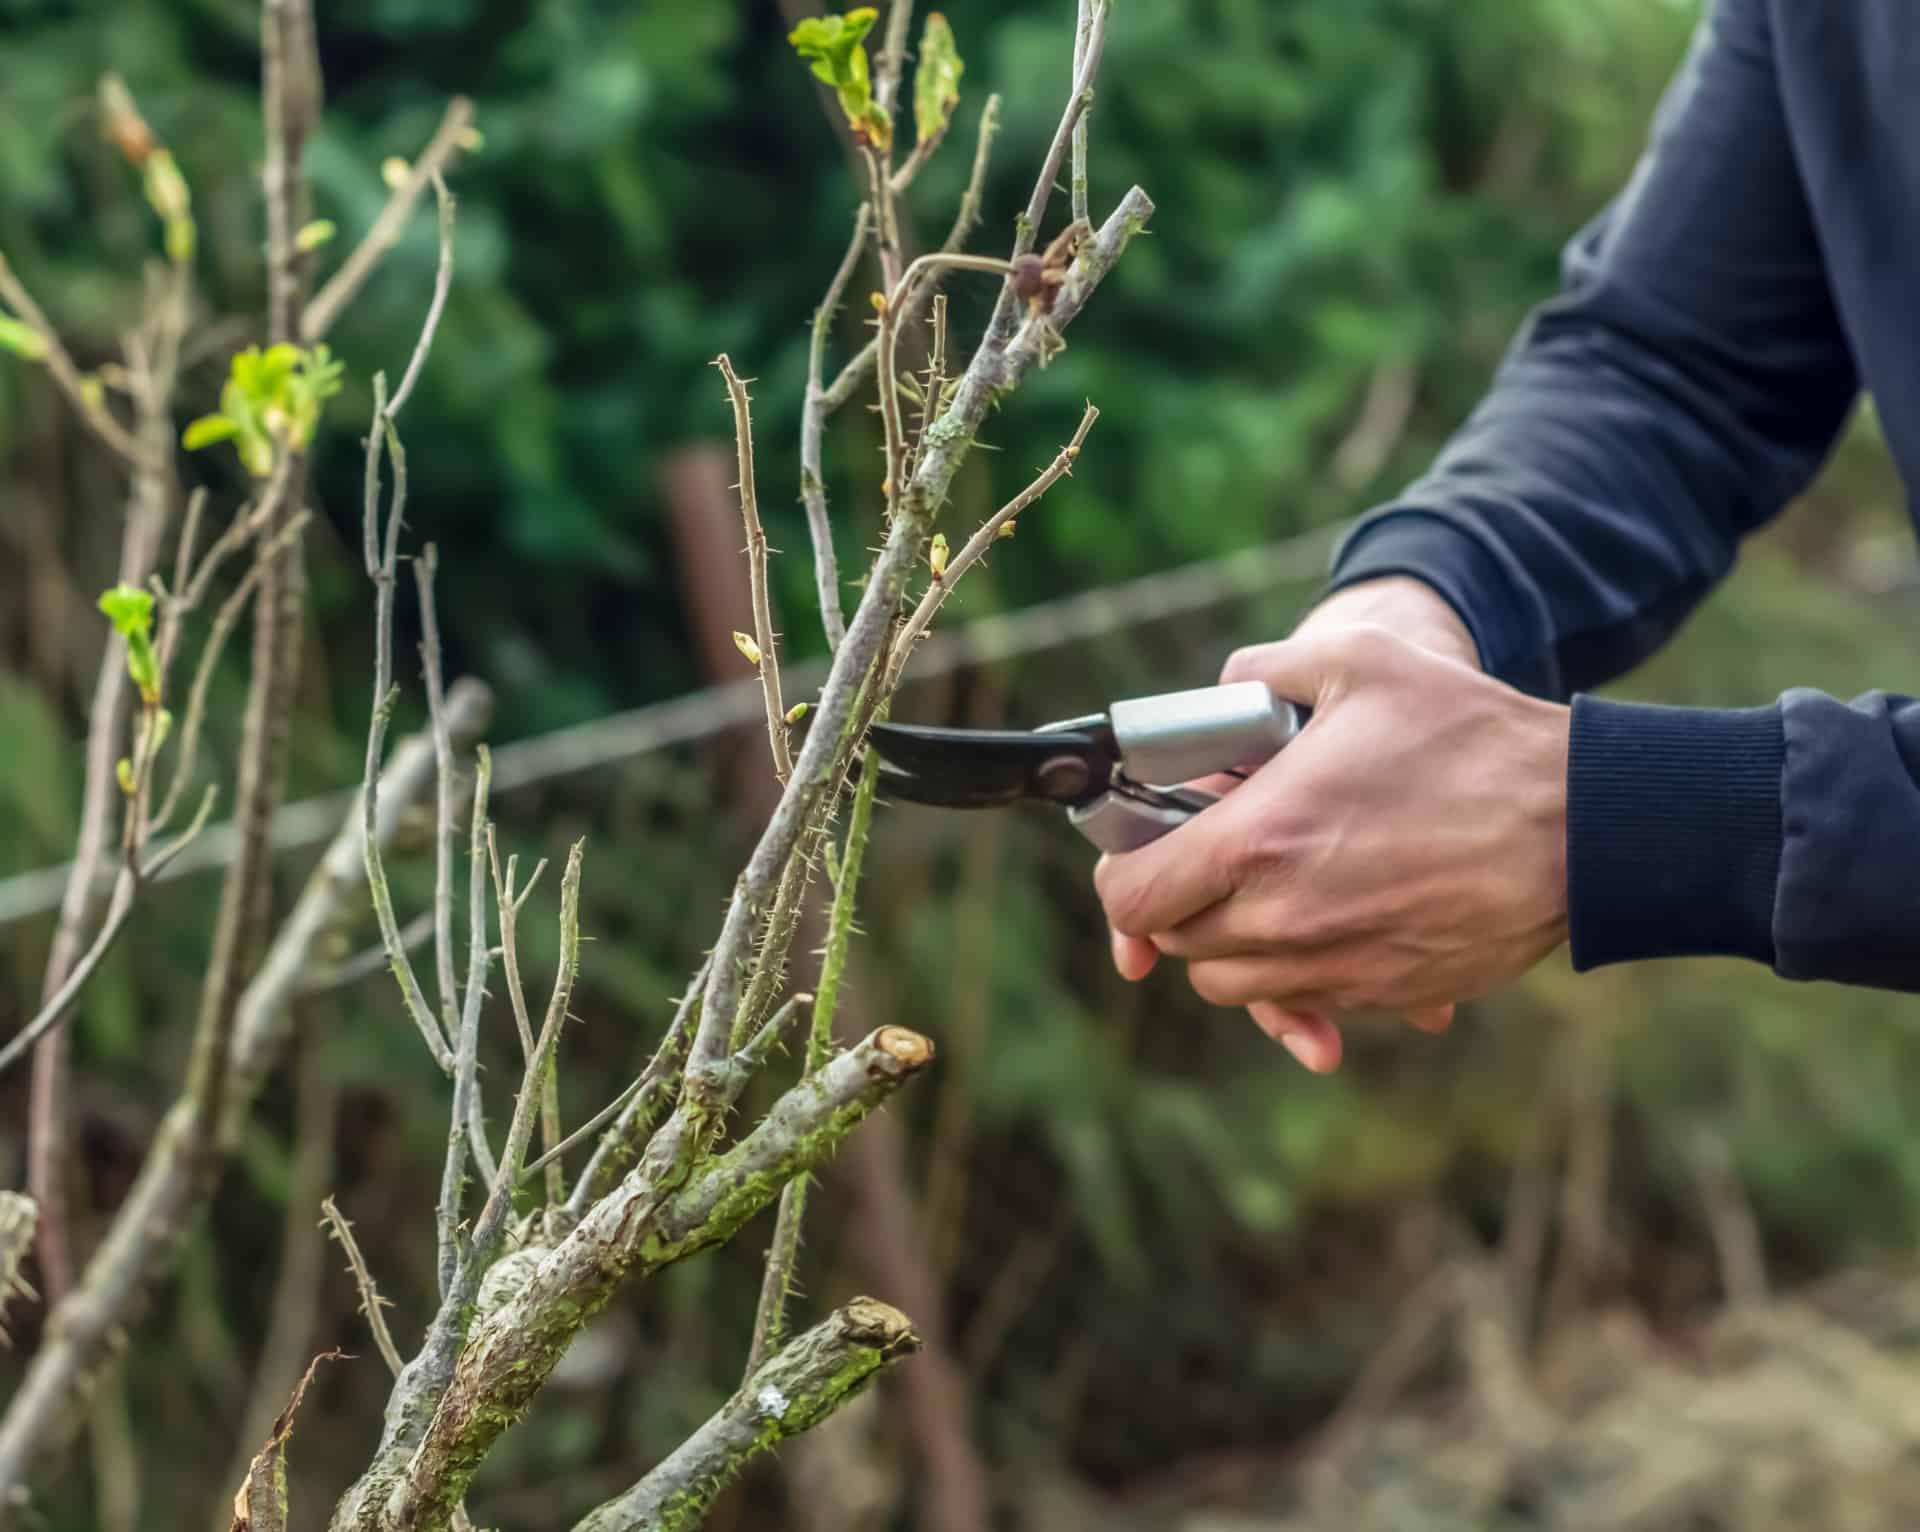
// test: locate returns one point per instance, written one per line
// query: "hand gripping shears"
(1117, 773)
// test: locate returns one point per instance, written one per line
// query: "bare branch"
(1026, 228)
(371, 1303)
(509, 906)
(425, 567)
(339, 289)
(813, 482)
(638, 1228)
(1082, 32)
(643, 1102)
(770, 1318)
(991, 373)
(61, 369)
(977, 546)
(493, 1218)
(965, 221)
(384, 693)
(290, 101)
(790, 1393)
(442, 283)
(769, 660)
(119, 911)
(224, 622)
(466, 1053)
(893, 55)
(172, 1188)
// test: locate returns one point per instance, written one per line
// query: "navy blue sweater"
(1716, 323)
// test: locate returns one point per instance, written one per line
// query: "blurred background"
(1628, 1250)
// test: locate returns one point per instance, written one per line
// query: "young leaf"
(936, 80)
(833, 46)
(745, 644)
(130, 610)
(314, 235)
(21, 339)
(208, 430)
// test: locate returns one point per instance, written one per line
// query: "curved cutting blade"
(985, 768)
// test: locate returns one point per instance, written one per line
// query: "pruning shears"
(1116, 773)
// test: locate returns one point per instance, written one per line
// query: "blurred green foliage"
(1349, 194)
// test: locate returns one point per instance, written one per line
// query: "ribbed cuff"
(1466, 573)
(1673, 831)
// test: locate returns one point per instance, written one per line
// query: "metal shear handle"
(1174, 738)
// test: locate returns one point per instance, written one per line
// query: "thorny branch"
(976, 547)
(169, 1192)
(790, 1393)
(965, 221)
(813, 421)
(371, 1303)
(776, 1286)
(767, 661)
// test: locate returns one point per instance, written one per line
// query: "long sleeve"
(1686, 383)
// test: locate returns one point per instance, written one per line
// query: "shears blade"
(986, 768)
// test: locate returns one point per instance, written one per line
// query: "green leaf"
(315, 234)
(832, 44)
(936, 80)
(208, 430)
(129, 609)
(22, 340)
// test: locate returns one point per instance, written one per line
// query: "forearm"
(1788, 834)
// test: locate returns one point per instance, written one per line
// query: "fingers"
(1310, 1037)
(1170, 879)
(1430, 1018)
(1134, 956)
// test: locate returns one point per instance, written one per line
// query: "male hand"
(1405, 852)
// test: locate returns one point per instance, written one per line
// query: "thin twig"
(491, 1225)
(509, 905)
(466, 1053)
(371, 1303)
(776, 1284)
(622, 1142)
(119, 911)
(425, 567)
(851, 376)
(60, 367)
(813, 483)
(790, 1393)
(339, 289)
(1026, 228)
(442, 283)
(1082, 27)
(381, 569)
(752, 1056)
(173, 1187)
(224, 622)
(893, 55)
(979, 543)
(769, 661)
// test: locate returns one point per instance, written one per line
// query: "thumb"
(1297, 669)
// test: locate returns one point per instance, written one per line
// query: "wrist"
(1407, 607)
